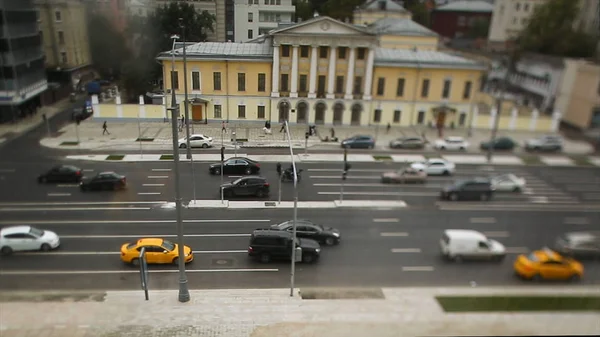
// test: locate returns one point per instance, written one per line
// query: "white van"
(462, 244)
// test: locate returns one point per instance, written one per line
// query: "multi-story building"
(258, 17)
(578, 96)
(140, 8)
(22, 73)
(64, 31)
(326, 72)
(458, 19)
(218, 8)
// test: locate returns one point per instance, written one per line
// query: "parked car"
(25, 238)
(235, 165)
(546, 264)
(472, 189)
(404, 176)
(359, 142)
(435, 166)
(407, 143)
(451, 143)
(580, 245)
(196, 140)
(268, 245)
(502, 143)
(104, 181)
(508, 183)
(462, 244)
(544, 143)
(246, 186)
(158, 251)
(310, 230)
(61, 174)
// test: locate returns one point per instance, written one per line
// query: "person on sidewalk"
(282, 127)
(105, 129)
(223, 127)
(387, 128)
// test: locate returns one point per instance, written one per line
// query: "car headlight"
(337, 235)
(318, 250)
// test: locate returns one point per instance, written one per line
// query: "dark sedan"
(236, 165)
(502, 143)
(104, 181)
(359, 142)
(309, 230)
(246, 186)
(61, 174)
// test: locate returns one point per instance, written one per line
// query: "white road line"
(482, 220)
(219, 251)
(161, 170)
(517, 250)
(81, 203)
(406, 250)
(153, 185)
(7, 170)
(353, 170)
(394, 234)
(576, 221)
(408, 194)
(117, 253)
(349, 177)
(133, 271)
(158, 177)
(152, 236)
(67, 185)
(234, 176)
(398, 186)
(125, 222)
(31, 209)
(386, 220)
(499, 234)
(59, 194)
(149, 193)
(88, 170)
(418, 268)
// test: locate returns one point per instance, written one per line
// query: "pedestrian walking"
(387, 128)
(105, 129)
(282, 127)
(223, 127)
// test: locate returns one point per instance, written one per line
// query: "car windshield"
(36, 232)
(131, 245)
(532, 257)
(237, 181)
(284, 225)
(168, 245)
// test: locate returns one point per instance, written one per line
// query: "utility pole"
(185, 92)
(344, 174)
(295, 219)
(499, 100)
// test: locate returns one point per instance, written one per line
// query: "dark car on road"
(268, 245)
(246, 186)
(502, 143)
(472, 189)
(310, 230)
(407, 143)
(61, 174)
(236, 165)
(359, 142)
(104, 181)
(580, 245)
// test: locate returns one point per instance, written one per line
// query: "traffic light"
(306, 134)
(222, 153)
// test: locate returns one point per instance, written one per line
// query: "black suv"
(268, 244)
(246, 186)
(471, 189)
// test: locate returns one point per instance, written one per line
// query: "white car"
(435, 166)
(451, 143)
(24, 238)
(196, 140)
(508, 183)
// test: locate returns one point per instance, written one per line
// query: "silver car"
(544, 143)
(580, 245)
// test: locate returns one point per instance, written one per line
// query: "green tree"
(420, 13)
(304, 9)
(340, 9)
(479, 29)
(108, 47)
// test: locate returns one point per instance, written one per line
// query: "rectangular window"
(63, 57)
(262, 82)
(217, 81)
(400, 87)
(241, 82)
(357, 85)
(61, 37)
(195, 80)
(323, 52)
(425, 89)
(250, 17)
(241, 111)
(174, 78)
(321, 80)
(278, 2)
(361, 53)
(284, 82)
(342, 53)
(57, 16)
(377, 116)
(447, 88)
(467, 91)
(462, 119)
(303, 86)
(517, 6)
(285, 51)
(217, 111)
(397, 116)
(304, 51)
(339, 85)
(380, 86)
(261, 112)
(250, 34)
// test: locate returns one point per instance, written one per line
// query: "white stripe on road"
(219, 251)
(353, 170)
(418, 268)
(407, 194)
(392, 234)
(59, 194)
(99, 272)
(498, 234)
(382, 185)
(349, 177)
(126, 222)
(234, 176)
(482, 220)
(152, 236)
(161, 170)
(406, 250)
(149, 193)
(81, 203)
(31, 209)
(386, 220)
(576, 221)
(517, 250)
(67, 185)
(74, 253)
(153, 185)
(158, 177)
(88, 170)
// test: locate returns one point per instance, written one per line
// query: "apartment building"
(218, 8)
(22, 74)
(257, 17)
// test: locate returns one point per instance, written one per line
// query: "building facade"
(459, 19)
(22, 72)
(579, 95)
(222, 11)
(257, 17)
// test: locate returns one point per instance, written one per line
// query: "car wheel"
(575, 278)
(498, 258)
(260, 193)
(517, 189)
(265, 258)
(135, 262)
(308, 258)
(330, 241)
(45, 247)
(453, 197)
(442, 148)
(446, 173)
(536, 278)
(204, 146)
(217, 171)
(6, 250)
(371, 146)
(182, 146)
(43, 180)
(484, 197)
(463, 149)
(248, 171)
(175, 261)
(457, 258)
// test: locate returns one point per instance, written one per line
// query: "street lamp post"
(295, 219)
(184, 293)
(499, 102)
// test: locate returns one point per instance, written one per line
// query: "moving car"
(359, 142)
(508, 183)
(158, 251)
(544, 143)
(235, 165)
(404, 176)
(471, 189)
(435, 166)
(61, 174)
(196, 140)
(502, 143)
(580, 245)
(451, 143)
(462, 244)
(546, 264)
(81, 114)
(268, 245)
(407, 143)
(246, 186)
(104, 181)
(310, 230)
(24, 238)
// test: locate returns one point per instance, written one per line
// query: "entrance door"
(320, 113)
(197, 112)
(356, 112)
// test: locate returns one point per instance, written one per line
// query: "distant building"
(375, 10)
(258, 17)
(22, 72)
(221, 9)
(579, 96)
(458, 19)
(140, 8)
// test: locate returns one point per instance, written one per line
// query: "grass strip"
(531, 159)
(382, 158)
(518, 303)
(166, 157)
(581, 160)
(69, 143)
(144, 139)
(115, 157)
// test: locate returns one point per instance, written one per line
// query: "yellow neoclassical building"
(326, 72)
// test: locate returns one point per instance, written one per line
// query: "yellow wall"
(130, 111)
(507, 105)
(522, 123)
(366, 17)
(409, 42)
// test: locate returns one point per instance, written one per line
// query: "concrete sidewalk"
(273, 313)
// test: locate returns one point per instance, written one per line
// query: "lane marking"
(161, 170)
(59, 194)
(152, 236)
(517, 250)
(97, 272)
(394, 234)
(158, 177)
(418, 268)
(7, 170)
(149, 193)
(153, 185)
(72, 253)
(576, 221)
(219, 251)
(407, 194)
(382, 185)
(234, 176)
(31, 209)
(386, 220)
(67, 185)
(498, 234)
(349, 177)
(88, 170)
(354, 170)
(482, 220)
(70, 222)
(81, 203)
(406, 250)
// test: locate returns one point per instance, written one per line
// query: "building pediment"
(322, 25)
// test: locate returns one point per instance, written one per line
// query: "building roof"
(477, 6)
(224, 50)
(400, 26)
(423, 58)
(316, 19)
(390, 5)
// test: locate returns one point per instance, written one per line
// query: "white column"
(331, 73)
(143, 107)
(275, 71)
(556, 115)
(369, 78)
(350, 75)
(294, 86)
(96, 106)
(493, 114)
(119, 107)
(513, 118)
(533, 122)
(313, 73)
(474, 117)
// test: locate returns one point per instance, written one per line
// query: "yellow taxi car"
(158, 251)
(546, 264)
